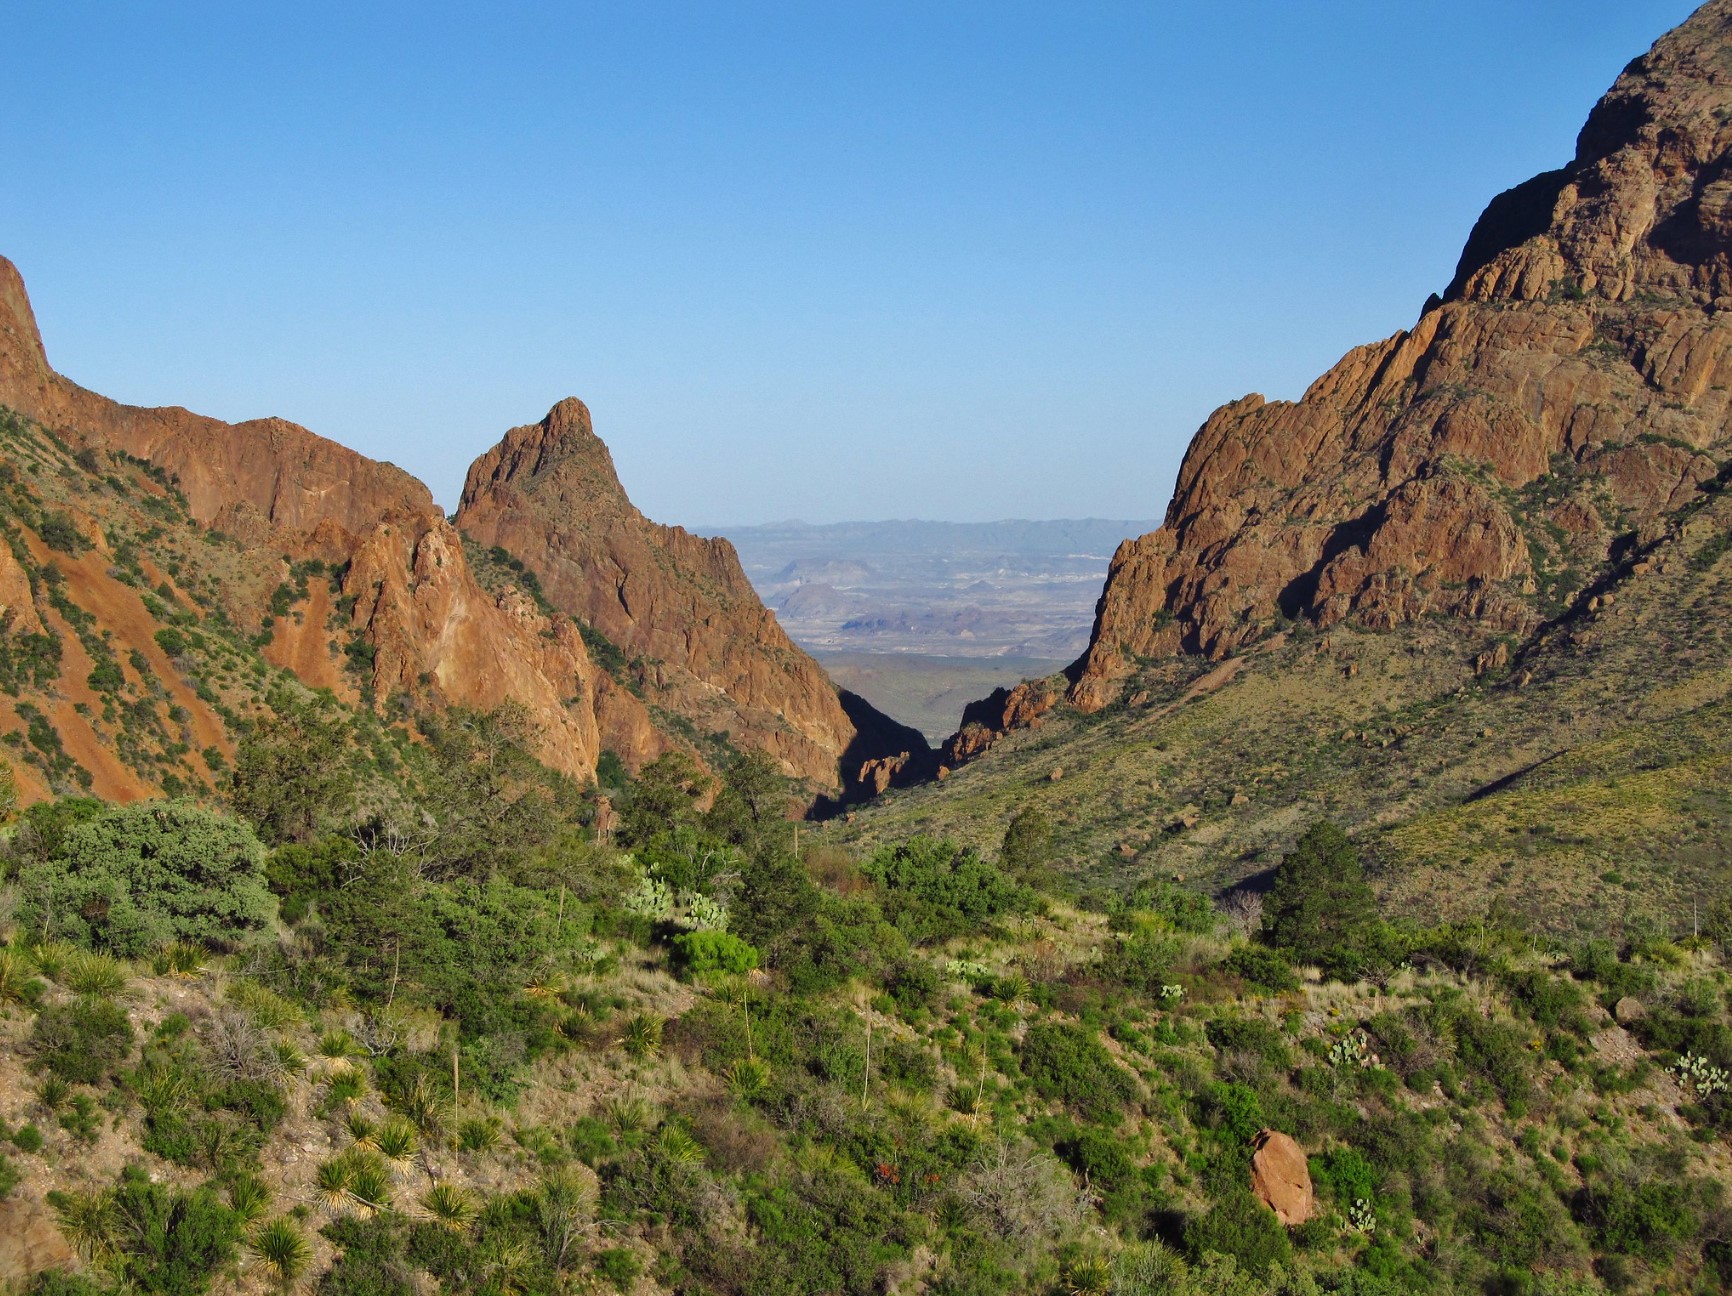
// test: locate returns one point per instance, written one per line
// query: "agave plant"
(1090, 1276)
(281, 1249)
(92, 974)
(448, 1206)
(396, 1141)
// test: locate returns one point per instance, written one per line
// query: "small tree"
(291, 776)
(1321, 908)
(137, 877)
(1027, 848)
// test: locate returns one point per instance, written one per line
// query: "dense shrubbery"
(133, 878)
(933, 889)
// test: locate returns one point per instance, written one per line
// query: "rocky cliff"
(406, 608)
(1568, 388)
(679, 605)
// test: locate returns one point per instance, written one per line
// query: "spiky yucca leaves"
(370, 1184)
(266, 1007)
(249, 1197)
(424, 1107)
(282, 1250)
(479, 1135)
(643, 1035)
(14, 976)
(396, 1141)
(449, 1206)
(748, 1077)
(332, 1179)
(50, 957)
(349, 1087)
(92, 974)
(337, 1049)
(88, 1222)
(363, 1129)
(677, 1146)
(184, 958)
(1089, 1276)
(628, 1118)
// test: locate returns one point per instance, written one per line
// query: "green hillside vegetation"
(1579, 780)
(466, 1046)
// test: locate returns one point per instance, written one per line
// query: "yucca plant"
(677, 1146)
(748, 1077)
(92, 974)
(1091, 1276)
(448, 1206)
(50, 957)
(336, 1051)
(626, 1116)
(265, 1006)
(363, 1129)
(643, 1035)
(249, 1198)
(349, 1087)
(370, 1185)
(87, 1221)
(184, 958)
(282, 1250)
(290, 1059)
(15, 978)
(396, 1141)
(424, 1106)
(332, 1179)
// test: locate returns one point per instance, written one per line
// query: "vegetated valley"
(398, 905)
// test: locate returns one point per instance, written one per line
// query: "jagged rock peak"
(1572, 384)
(562, 449)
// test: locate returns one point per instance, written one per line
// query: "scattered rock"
(1056, 775)
(1281, 1178)
(29, 1243)
(1628, 1011)
(1239, 799)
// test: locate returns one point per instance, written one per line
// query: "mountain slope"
(713, 653)
(1570, 387)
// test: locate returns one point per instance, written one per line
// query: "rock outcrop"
(1572, 384)
(678, 604)
(429, 629)
(1280, 1177)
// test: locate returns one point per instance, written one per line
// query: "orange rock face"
(1281, 1178)
(710, 649)
(435, 633)
(1574, 381)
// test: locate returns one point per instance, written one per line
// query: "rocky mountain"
(260, 546)
(678, 604)
(1568, 391)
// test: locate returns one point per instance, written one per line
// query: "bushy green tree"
(137, 877)
(291, 775)
(1027, 849)
(662, 799)
(934, 889)
(1321, 909)
(702, 952)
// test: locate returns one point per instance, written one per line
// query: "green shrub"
(1263, 967)
(620, 1266)
(83, 1041)
(1069, 1063)
(138, 877)
(1175, 906)
(933, 889)
(1240, 1226)
(1141, 962)
(701, 952)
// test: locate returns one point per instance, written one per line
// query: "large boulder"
(1281, 1178)
(29, 1243)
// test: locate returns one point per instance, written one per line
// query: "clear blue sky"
(826, 260)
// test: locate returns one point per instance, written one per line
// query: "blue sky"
(820, 260)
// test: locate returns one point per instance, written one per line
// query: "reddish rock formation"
(435, 634)
(1280, 1177)
(1570, 383)
(710, 650)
